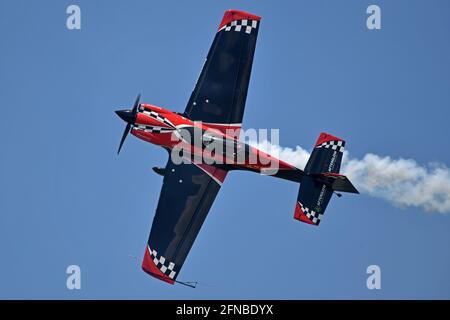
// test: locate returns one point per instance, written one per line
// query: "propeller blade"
(129, 117)
(136, 104)
(124, 136)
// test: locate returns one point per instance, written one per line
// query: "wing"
(221, 90)
(187, 194)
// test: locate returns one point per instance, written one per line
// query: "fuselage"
(210, 143)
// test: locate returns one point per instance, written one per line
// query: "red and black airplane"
(215, 110)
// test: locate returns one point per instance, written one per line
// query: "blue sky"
(67, 198)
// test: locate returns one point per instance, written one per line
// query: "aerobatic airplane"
(214, 112)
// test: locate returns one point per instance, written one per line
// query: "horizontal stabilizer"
(339, 182)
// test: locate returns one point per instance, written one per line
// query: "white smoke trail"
(402, 182)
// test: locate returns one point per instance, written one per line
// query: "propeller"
(129, 116)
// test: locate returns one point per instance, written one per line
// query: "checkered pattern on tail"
(334, 144)
(166, 267)
(156, 116)
(241, 25)
(152, 129)
(311, 214)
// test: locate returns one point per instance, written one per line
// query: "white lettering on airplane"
(321, 196)
(332, 162)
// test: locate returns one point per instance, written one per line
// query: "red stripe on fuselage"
(144, 119)
(266, 160)
(231, 130)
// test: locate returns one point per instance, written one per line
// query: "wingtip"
(150, 268)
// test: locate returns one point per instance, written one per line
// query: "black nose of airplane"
(127, 115)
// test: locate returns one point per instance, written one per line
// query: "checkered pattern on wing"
(157, 116)
(166, 267)
(334, 144)
(311, 214)
(241, 25)
(152, 129)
